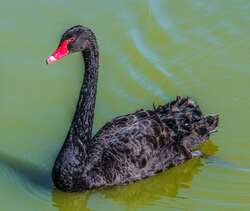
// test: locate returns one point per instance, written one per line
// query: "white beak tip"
(51, 59)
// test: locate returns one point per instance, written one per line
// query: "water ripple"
(33, 181)
(219, 162)
(143, 80)
(148, 53)
(165, 22)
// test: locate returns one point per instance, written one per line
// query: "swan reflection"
(142, 193)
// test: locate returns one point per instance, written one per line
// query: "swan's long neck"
(82, 123)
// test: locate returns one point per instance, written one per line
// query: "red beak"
(60, 52)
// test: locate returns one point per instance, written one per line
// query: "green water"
(151, 51)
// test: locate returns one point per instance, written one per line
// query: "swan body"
(129, 147)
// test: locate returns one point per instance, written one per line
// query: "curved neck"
(82, 123)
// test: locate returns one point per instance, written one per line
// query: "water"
(151, 51)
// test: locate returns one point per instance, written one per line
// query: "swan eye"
(72, 39)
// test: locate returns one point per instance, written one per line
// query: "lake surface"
(151, 51)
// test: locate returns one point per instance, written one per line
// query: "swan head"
(75, 39)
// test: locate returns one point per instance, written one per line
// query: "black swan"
(129, 147)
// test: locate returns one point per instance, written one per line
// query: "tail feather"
(186, 121)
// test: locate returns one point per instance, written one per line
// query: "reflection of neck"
(81, 126)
